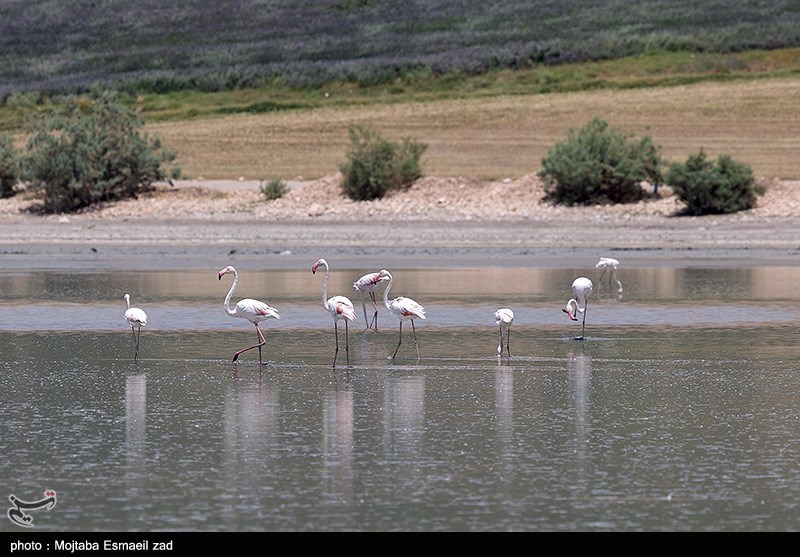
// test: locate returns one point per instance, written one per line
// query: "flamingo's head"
(570, 309)
(383, 274)
(225, 271)
(316, 265)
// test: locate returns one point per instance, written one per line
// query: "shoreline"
(174, 245)
(438, 222)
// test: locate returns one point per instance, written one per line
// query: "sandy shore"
(438, 222)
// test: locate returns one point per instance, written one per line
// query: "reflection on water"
(676, 413)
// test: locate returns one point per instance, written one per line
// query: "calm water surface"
(678, 412)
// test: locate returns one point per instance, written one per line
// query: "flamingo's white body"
(254, 311)
(137, 319)
(404, 308)
(503, 319)
(367, 285)
(581, 290)
(609, 263)
(340, 308)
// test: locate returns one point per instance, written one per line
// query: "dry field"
(502, 137)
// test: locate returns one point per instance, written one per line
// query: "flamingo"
(137, 319)
(255, 311)
(581, 290)
(340, 307)
(609, 263)
(368, 284)
(503, 318)
(404, 308)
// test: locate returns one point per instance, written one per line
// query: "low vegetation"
(274, 189)
(9, 167)
(598, 164)
(376, 165)
(714, 187)
(91, 151)
(57, 47)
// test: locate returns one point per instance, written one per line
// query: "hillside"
(55, 46)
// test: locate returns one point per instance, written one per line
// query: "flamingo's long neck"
(228, 308)
(127, 301)
(325, 287)
(386, 292)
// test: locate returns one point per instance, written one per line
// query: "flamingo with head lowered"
(503, 318)
(254, 311)
(340, 307)
(405, 309)
(609, 263)
(581, 290)
(137, 319)
(367, 285)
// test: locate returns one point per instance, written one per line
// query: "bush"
(598, 165)
(9, 167)
(274, 189)
(708, 187)
(89, 151)
(376, 165)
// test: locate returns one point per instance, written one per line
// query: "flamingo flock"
(341, 308)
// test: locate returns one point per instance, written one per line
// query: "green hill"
(58, 46)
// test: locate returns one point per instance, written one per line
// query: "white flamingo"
(609, 263)
(254, 311)
(404, 308)
(581, 290)
(340, 307)
(367, 285)
(503, 319)
(137, 319)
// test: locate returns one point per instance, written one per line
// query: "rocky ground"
(447, 199)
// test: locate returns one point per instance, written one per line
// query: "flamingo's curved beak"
(570, 314)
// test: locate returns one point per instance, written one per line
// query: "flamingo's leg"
(375, 305)
(347, 342)
(261, 342)
(508, 341)
(583, 325)
(364, 307)
(416, 344)
(135, 343)
(399, 341)
(336, 331)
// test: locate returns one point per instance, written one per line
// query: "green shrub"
(9, 167)
(376, 165)
(598, 165)
(90, 150)
(708, 187)
(274, 189)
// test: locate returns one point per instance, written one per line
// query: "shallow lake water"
(677, 412)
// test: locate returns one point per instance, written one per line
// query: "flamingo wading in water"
(137, 319)
(340, 307)
(405, 309)
(503, 319)
(367, 285)
(581, 290)
(255, 311)
(607, 263)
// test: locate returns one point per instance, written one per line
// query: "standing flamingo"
(503, 319)
(340, 307)
(609, 263)
(581, 290)
(137, 319)
(255, 311)
(368, 284)
(404, 309)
